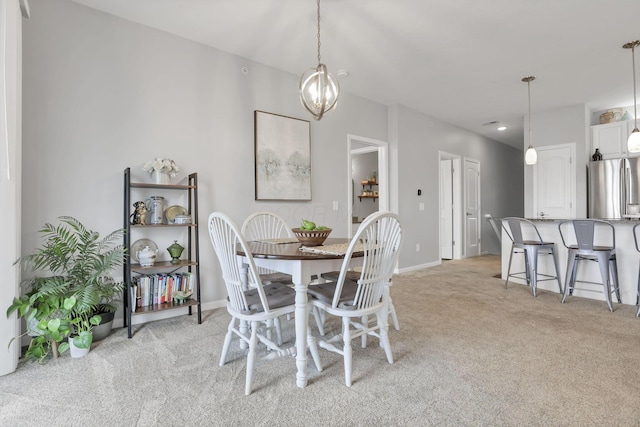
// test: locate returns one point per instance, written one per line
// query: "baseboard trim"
(419, 267)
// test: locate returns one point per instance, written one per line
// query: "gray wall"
(102, 94)
(419, 138)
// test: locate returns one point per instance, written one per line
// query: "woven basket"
(311, 237)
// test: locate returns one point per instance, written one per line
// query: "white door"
(472, 207)
(553, 194)
(446, 209)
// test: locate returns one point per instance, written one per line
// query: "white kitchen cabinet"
(611, 139)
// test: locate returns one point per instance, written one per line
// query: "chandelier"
(318, 88)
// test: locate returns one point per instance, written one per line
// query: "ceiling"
(461, 61)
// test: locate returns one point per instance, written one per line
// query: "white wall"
(10, 159)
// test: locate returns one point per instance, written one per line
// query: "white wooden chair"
(252, 310)
(267, 225)
(381, 237)
(354, 275)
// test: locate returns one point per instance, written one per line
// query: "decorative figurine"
(139, 216)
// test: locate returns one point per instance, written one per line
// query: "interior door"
(446, 209)
(553, 184)
(472, 207)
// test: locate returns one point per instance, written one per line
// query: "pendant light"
(633, 143)
(530, 157)
(318, 89)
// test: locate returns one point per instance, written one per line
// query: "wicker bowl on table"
(311, 237)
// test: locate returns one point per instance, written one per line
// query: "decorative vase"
(175, 250)
(161, 177)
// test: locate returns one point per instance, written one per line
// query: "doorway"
(450, 197)
(365, 153)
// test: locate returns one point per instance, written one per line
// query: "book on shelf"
(158, 289)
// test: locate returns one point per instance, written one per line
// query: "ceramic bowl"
(182, 219)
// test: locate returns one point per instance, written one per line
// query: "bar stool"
(532, 247)
(635, 239)
(582, 247)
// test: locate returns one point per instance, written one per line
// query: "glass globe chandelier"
(633, 143)
(319, 90)
(531, 156)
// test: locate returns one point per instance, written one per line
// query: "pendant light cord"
(319, 61)
(530, 132)
(633, 63)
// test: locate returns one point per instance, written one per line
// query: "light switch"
(335, 205)
(421, 206)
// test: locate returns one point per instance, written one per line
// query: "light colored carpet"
(469, 352)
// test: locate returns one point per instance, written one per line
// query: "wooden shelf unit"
(369, 184)
(190, 264)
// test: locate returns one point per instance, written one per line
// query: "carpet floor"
(469, 352)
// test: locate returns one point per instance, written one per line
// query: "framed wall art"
(282, 157)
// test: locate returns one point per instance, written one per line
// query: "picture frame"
(282, 157)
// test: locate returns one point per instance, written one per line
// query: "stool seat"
(579, 237)
(516, 228)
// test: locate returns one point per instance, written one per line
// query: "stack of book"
(156, 289)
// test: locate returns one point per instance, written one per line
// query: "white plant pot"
(75, 351)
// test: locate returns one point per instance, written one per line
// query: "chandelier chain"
(319, 61)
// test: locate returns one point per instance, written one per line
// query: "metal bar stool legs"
(531, 262)
(608, 268)
(525, 237)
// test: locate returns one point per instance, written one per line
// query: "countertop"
(631, 220)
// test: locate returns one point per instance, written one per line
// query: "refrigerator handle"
(625, 187)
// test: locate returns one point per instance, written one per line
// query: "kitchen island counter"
(628, 260)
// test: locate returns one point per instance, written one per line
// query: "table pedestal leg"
(301, 335)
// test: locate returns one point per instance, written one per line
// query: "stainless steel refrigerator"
(614, 188)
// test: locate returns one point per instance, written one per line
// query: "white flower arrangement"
(161, 165)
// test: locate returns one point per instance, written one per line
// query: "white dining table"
(302, 266)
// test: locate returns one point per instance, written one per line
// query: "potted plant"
(110, 293)
(77, 265)
(83, 321)
(46, 318)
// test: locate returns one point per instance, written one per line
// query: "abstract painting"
(282, 157)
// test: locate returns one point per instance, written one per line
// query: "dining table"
(303, 264)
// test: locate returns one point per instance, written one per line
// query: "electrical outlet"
(417, 247)
(335, 205)
(421, 206)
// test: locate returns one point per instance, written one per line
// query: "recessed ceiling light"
(342, 73)
(502, 128)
